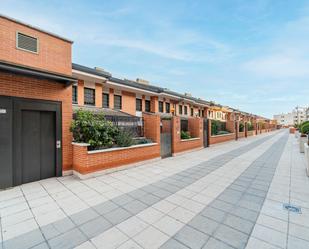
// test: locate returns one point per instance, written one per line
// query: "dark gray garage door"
(31, 149)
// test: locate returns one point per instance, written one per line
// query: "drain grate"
(292, 208)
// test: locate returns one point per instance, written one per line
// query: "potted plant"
(304, 129)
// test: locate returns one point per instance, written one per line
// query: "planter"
(306, 148)
(302, 141)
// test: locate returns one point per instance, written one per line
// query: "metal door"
(166, 138)
(206, 132)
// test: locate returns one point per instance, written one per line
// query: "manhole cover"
(292, 208)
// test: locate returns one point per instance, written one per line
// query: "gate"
(206, 132)
(166, 138)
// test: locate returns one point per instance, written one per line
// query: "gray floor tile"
(191, 237)
(69, 239)
(213, 243)
(122, 199)
(95, 227)
(173, 244)
(105, 207)
(84, 216)
(41, 246)
(25, 241)
(238, 223)
(138, 193)
(134, 207)
(118, 215)
(245, 213)
(231, 236)
(162, 193)
(63, 225)
(150, 199)
(222, 205)
(214, 213)
(204, 224)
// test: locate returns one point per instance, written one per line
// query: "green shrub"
(93, 129)
(124, 139)
(250, 126)
(305, 128)
(241, 127)
(223, 132)
(142, 141)
(185, 135)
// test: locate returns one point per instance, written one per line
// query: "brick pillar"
(111, 98)
(175, 132)
(154, 104)
(80, 92)
(143, 103)
(246, 129)
(237, 129)
(98, 95)
(152, 127)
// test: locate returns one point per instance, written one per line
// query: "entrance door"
(37, 140)
(38, 143)
(205, 133)
(30, 140)
(166, 138)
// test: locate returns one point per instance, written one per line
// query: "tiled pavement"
(212, 198)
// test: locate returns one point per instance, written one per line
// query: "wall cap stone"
(122, 148)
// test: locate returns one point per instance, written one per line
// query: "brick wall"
(28, 87)
(54, 54)
(195, 126)
(80, 92)
(221, 138)
(251, 133)
(241, 134)
(85, 163)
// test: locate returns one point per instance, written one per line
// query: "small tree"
(241, 127)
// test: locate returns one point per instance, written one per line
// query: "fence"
(133, 125)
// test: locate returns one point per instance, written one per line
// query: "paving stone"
(191, 237)
(25, 241)
(173, 244)
(69, 239)
(213, 243)
(245, 213)
(122, 199)
(204, 224)
(118, 215)
(222, 205)
(161, 193)
(134, 207)
(105, 207)
(238, 223)
(150, 199)
(138, 193)
(231, 236)
(95, 227)
(214, 213)
(84, 216)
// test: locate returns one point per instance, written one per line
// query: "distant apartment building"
(297, 116)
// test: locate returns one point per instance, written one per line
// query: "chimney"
(99, 69)
(188, 94)
(142, 81)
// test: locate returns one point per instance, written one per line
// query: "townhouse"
(40, 90)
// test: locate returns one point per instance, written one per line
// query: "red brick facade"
(28, 87)
(54, 54)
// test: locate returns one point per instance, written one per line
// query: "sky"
(251, 55)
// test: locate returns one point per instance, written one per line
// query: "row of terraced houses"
(40, 90)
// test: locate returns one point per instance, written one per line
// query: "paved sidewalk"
(212, 198)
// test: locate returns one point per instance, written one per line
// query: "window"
(89, 96)
(203, 114)
(167, 107)
(74, 94)
(180, 109)
(192, 112)
(186, 110)
(27, 43)
(105, 100)
(199, 113)
(117, 102)
(147, 105)
(160, 106)
(138, 105)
